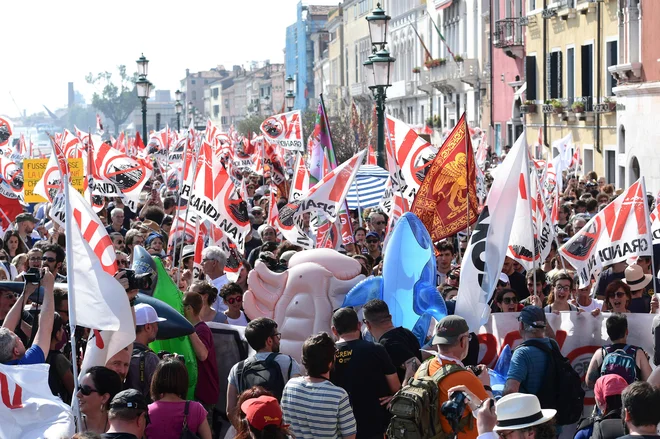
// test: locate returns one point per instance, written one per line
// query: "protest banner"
(578, 336)
(34, 170)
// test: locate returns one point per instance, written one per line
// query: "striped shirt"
(317, 410)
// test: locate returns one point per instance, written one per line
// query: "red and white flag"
(11, 178)
(620, 231)
(408, 157)
(399, 207)
(99, 125)
(300, 183)
(272, 207)
(371, 158)
(485, 253)
(29, 408)
(285, 130)
(655, 224)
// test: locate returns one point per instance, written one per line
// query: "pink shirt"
(167, 419)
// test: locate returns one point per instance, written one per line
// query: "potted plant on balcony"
(528, 107)
(557, 106)
(416, 70)
(611, 103)
(578, 107)
(436, 121)
(458, 58)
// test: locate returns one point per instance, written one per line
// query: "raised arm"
(46, 316)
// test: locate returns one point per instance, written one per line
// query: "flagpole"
(467, 173)
(68, 227)
(185, 219)
(648, 227)
(178, 203)
(531, 212)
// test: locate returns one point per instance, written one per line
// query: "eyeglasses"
(45, 258)
(619, 294)
(277, 335)
(469, 337)
(119, 242)
(10, 296)
(510, 300)
(86, 390)
(523, 432)
(123, 262)
(232, 300)
(35, 258)
(379, 223)
(372, 241)
(257, 213)
(502, 284)
(562, 287)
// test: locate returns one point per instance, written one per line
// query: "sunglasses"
(510, 300)
(502, 284)
(232, 300)
(379, 223)
(121, 242)
(372, 241)
(277, 335)
(45, 258)
(123, 263)
(10, 296)
(86, 390)
(619, 294)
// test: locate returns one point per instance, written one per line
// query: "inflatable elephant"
(301, 299)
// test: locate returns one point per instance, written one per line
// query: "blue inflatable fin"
(369, 288)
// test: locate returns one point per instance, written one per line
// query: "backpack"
(621, 362)
(265, 373)
(141, 353)
(415, 407)
(562, 388)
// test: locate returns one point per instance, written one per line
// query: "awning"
(369, 183)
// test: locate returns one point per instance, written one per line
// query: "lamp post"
(143, 89)
(178, 107)
(377, 70)
(290, 96)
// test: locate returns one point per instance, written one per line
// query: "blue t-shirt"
(34, 355)
(528, 366)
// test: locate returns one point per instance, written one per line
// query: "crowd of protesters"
(345, 384)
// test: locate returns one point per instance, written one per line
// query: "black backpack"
(265, 373)
(562, 387)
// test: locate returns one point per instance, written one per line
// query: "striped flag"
(369, 184)
(442, 38)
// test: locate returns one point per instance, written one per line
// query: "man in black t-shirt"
(640, 402)
(366, 372)
(400, 343)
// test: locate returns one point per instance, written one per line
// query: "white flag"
(484, 256)
(655, 224)
(565, 148)
(619, 231)
(29, 409)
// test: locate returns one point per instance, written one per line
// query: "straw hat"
(520, 410)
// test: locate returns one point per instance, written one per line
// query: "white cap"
(504, 278)
(145, 313)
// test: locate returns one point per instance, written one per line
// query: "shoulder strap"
(290, 368)
(143, 361)
(185, 416)
(539, 345)
(239, 374)
(445, 370)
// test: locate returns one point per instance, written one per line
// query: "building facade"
(507, 20)
(570, 45)
(193, 85)
(637, 73)
(299, 52)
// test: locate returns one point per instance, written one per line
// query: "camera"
(138, 281)
(33, 275)
(453, 409)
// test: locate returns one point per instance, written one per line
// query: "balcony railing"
(507, 33)
(452, 73)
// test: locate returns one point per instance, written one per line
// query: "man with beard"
(263, 337)
(25, 224)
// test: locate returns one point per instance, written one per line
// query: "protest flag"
(300, 183)
(447, 198)
(484, 256)
(618, 232)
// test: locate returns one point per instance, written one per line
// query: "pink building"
(507, 64)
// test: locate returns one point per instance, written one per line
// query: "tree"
(116, 101)
(250, 125)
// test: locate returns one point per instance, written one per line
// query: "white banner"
(285, 130)
(578, 336)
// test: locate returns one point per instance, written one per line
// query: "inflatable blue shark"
(408, 281)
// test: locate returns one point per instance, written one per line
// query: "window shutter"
(548, 74)
(559, 76)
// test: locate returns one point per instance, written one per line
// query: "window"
(498, 136)
(357, 74)
(192, 81)
(610, 166)
(612, 59)
(206, 82)
(530, 77)
(496, 10)
(216, 93)
(216, 110)
(570, 74)
(553, 75)
(194, 95)
(226, 103)
(532, 5)
(587, 79)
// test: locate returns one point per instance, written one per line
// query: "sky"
(50, 43)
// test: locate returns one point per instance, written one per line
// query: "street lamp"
(178, 107)
(143, 89)
(378, 69)
(290, 96)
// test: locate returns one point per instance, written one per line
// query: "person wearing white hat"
(515, 416)
(639, 284)
(143, 360)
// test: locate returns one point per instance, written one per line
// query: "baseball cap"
(449, 329)
(145, 313)
(129, 399)
(256, 209)
(21, 217)
(533, 316)
(504, 278)
(262, 411)
(188, 251)
(372, 235)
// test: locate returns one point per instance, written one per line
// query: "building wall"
(575, 31)
(650, 39)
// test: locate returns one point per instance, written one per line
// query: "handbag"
(185, 432)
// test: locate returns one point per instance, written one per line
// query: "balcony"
(607, 105)
(626, 73)
(508, 36)
(566, 9)
(450, 77)
(360, 91)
